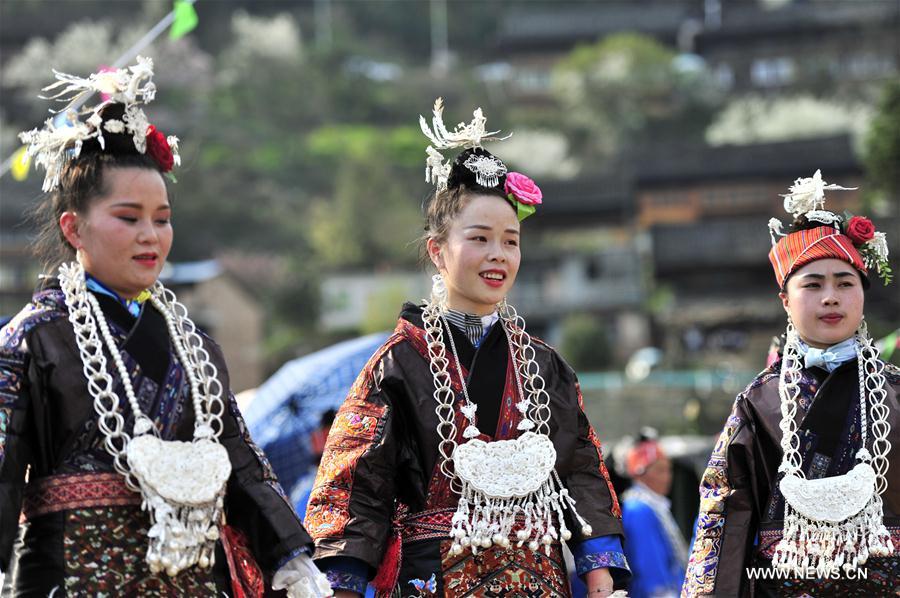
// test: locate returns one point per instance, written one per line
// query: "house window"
(668, 198)
(594, 270)
(772, 72)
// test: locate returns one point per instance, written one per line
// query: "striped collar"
(474, 327)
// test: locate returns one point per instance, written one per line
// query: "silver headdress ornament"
(806, 197)
(437, 171)
(57, 143)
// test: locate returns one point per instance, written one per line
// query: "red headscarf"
(797, 249)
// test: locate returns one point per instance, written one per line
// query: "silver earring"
(439, 292)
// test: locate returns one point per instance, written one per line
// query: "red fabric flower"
(860, 230)
(159, 149)
(523, 189)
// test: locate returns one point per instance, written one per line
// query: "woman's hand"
(599, 583)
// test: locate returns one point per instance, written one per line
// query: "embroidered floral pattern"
(346, 581)
(358, 426)
(600, 560)
(45, 307)
(104, 551)
(715, 488)
(517, 572)
(425, 588)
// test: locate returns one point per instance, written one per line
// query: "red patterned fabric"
(246, 578)
(496, 571)
(795, 250)
(76, 491)
(592, 436)
(352, 434)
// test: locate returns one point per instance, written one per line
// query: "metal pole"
(440, 54)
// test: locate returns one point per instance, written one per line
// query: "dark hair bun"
(461, 176)
(802, 223)
(121, 144)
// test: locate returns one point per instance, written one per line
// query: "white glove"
(302, 579)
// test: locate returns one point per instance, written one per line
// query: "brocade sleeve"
(352, 502)
(254, 500)
(18, 384)
(726, 526)
(587, 479)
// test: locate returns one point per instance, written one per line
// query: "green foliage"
(338, 143)
(882, 144)
(620, 91)
(585, 342)
(368, 218)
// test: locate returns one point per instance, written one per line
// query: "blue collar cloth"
(132, 305)
(830, 358)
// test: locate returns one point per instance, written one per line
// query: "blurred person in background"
(121, 444)
(462, 457)
(656, 550)
(799, 497)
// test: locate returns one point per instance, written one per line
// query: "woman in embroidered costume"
(141, 476)
(799, 497)
(462, 457)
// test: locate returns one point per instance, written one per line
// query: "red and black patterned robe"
(379, 487)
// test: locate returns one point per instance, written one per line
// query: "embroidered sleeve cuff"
(603, 560)
(605, 552)
(346, 581)
(291, 556)
(346, 573)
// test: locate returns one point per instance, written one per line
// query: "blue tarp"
(288, 407)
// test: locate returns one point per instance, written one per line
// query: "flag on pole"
(21, 162)
(184, 20)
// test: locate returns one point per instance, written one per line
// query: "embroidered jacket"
(85, 532)
(379, 490)
(741, 507)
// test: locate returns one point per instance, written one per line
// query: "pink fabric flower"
(523, 189)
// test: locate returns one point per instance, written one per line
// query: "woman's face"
(825, 301)
(126, 234)
(480, 258)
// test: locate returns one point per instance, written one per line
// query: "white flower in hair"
(114, 125)
(775, 227)
(137, 124)
(808, 194)
(172, 140)
(879, 247)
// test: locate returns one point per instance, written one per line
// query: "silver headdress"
(807, 196)
(487, 171)
(58, 142)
